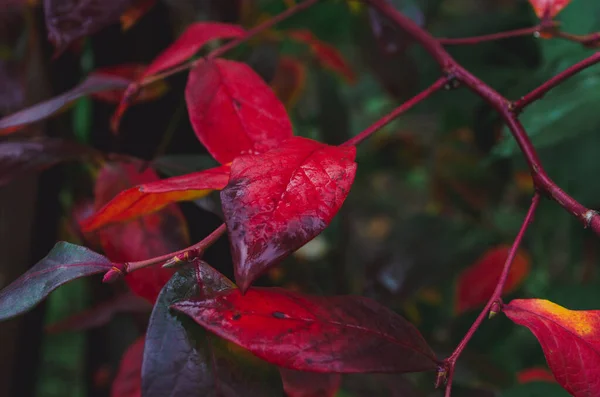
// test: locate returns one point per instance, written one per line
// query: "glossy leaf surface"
(68, 20)
(150, 197)
(278, 201)
(19, 157)
(476, 284)
(191, 365)
(64, 263)
(309, 384)
(327, 55)
(42, 110)
(548, 8)
(233, 111)
(570, 340)
(346, 334)
(129, 378)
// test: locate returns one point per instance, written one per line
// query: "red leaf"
(476, 284)
(309, 384)
(327, 55)
(42, 110)
(128, 382)
(337, 334)
(20, 157)
(150, 197)
(147, 237)
(535, 375)
(130, 72)
(102, 314)
(548, 8)
(135, 11)
(277, 202)
(64, 263)
(289, 80)
(233, 111)
(570, 340)
(68, 20)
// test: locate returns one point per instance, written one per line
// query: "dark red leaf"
(191, 365)
(153, 196)
(476, 284)
(68, 20)
(233, 111)
(278, 201)
(129, 378)
(535, 375)
(137, 9)
(64, 263)
(19, 157)
(42, 110)
(153, 235)
(346, 334)
(570, 340)
(309, 384)
(289, 80)
(100, 315)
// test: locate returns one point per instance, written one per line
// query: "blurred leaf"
(130, 72)
(129, 379)
(535, 375)
(548, 8)
(136, 10)
(309, 384)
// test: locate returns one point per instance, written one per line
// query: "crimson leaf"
(345, 334)
(64, 263)
(277, 202)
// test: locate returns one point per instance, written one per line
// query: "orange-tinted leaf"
(289, 80)
(128, 382)
(309, 384)
(327, 55)
(476, 284)
(130, 72)
(152, 235)
(135, 11)
(150, 197)
(548, 8)
(570, 340)
(535, 375)
(233, 111)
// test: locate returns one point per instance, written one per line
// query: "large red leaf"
(278, 201)
(337, 334)
(94, 83)
(476, 284)
(233, 111)
(128, 382)
(153, 235)
(309, 384)
(68, 20)
(64, 263)
(548, 8)
(19, 157)
(153, 196)
(570, 340)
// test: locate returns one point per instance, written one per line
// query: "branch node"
(495, 309)
(441, 377)
(588, 217)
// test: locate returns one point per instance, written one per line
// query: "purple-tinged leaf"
(309, 384)
(64, 263)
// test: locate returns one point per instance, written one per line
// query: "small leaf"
(337, 334)
(128, 380)
(129, 72)
(150, 197)
(569, 339)
(476, 284)
(37, 154)
(64, 263)
(101, 314)
(42, 110)
(329, 56)
(136, 10)
(68, 20)
(309, 384)
(277, 202)
(535, 375)
(289, 80)
(233, 111)
(548, 8)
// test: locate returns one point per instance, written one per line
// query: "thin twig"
(490, 37)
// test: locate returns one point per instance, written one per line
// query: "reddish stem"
(490, 37)
(385, 120)
(188, 253)
(495, 299)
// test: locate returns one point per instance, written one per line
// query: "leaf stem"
(495, 300)
(186, 254)
(385, 120)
